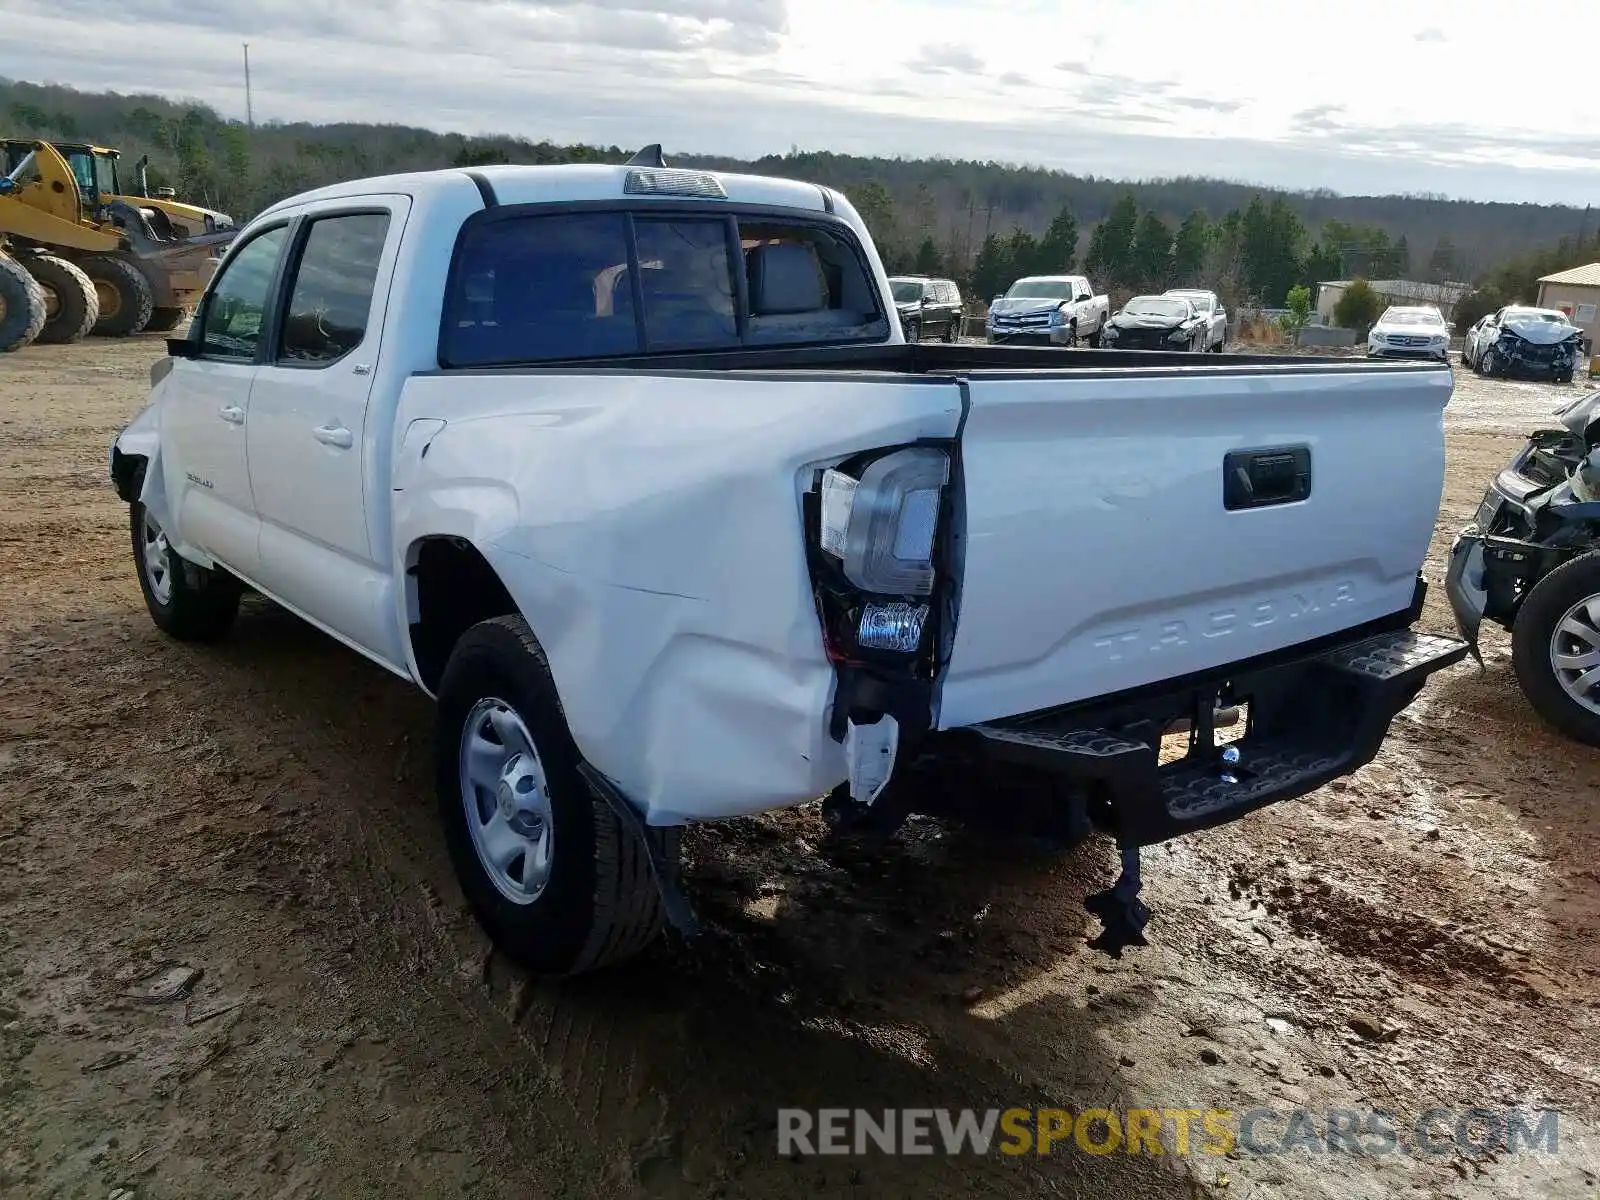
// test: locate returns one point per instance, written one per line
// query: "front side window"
(331, 296)
(235, 309)
(546, 287)
(105, 174)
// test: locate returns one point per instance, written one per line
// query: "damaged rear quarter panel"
(649, 528)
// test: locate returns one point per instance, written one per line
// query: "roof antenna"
(650, 156)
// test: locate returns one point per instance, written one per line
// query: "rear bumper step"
(1310, 721)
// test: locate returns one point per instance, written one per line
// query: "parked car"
(1410, 331)
(1521, 340)
(1530, 563)
(1158, 323)
(714, 540)
(1209, 305)
(1054, 309)
(927, 306)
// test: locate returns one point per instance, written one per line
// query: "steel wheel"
(157, 558)
(1575, 653)
(110, 298)
(506, 798)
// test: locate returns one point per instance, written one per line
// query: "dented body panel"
(649, 529)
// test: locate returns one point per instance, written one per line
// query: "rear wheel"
(22, 306)
(126, 299)
(1094, 340)
(71, 304)
(557, 879)
(1555, 648)
(952, 331)
(913, 331)
(189, 602)
(165, 320)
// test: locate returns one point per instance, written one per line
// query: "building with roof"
(1443, 296)
(1575, 292)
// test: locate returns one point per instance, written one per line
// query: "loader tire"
(126, 299)
(71, 304)
(22, 307)
(165, 320)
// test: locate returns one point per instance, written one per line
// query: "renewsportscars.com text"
(1473, 1132)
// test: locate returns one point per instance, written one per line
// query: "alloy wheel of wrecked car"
(1556, 648)
(511, 795)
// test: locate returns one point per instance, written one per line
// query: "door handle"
(334, 435)
(232, 414)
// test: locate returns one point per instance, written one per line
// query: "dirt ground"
(234, 963)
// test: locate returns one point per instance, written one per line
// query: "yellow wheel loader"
(144, 270)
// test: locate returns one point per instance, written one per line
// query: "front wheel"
(557, 879)
(1487, 363)
(952, 331)
(913, 331)
(186, 601)
(1555, 648)
(1094, 340)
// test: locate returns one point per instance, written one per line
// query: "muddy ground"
(234, 963)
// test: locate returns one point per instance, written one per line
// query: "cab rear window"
(547, 287)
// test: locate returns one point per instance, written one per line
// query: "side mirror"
(184, 347)
(997, 300)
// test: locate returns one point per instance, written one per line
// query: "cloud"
(1431, 34)
(740, 78)
(946, 58)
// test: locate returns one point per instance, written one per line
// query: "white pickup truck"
(632, 471)
(1049, 310)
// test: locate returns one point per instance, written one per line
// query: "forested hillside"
(981, 222)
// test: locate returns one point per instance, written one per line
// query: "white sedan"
(1410, 333)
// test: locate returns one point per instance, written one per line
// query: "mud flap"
(663, 867)
(1465, 587)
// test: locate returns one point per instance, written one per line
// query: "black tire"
(952, 331)
(22, 306)
(913, 331)
(126, 299)
(165, 320)
(1094, 340)
(1531, 650)
(71, 304)
(188, 602)
(600, 903)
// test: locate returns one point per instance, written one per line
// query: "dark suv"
(926, 306)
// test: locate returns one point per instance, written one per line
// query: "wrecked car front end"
(1539, 349)
(1540, 511)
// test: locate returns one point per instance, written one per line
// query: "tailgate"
(1104, 549)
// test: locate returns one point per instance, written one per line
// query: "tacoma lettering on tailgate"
(1169, 635)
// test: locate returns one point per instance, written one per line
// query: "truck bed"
(937, 358)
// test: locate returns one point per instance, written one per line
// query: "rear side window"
(332, 291)
(544, 287)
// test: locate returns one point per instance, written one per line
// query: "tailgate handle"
(1258, 478)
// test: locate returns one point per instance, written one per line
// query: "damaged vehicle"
(1530, 563)
(1517, 340)
(632, 470)
(1158, 323)
(1053, 310)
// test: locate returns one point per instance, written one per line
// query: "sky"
(1469, 99)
